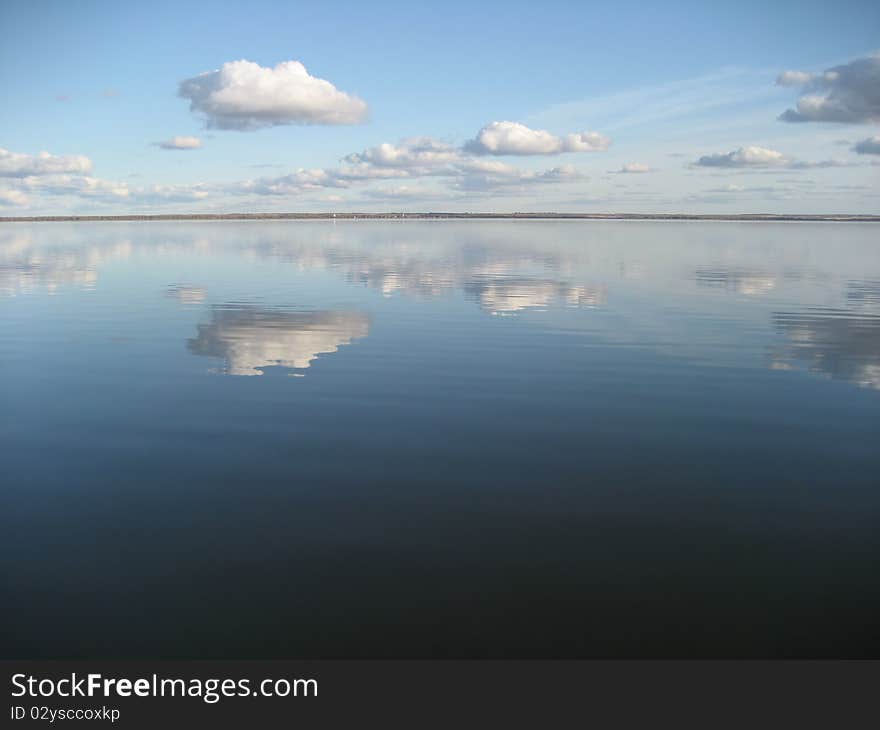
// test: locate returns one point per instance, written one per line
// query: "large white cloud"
(17, 164)
(869, 146)
(243, 95)
(848, 94)
(513, 138)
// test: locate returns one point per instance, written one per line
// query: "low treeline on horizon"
(442, 215)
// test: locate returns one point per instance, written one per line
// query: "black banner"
(417, 694)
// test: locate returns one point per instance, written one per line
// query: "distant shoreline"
(766, 217)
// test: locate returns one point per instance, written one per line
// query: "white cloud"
(16, 164)
(794, 78)
(869, 146)
(180, 143)
(633, 167)
(746, 157)
(243, 95)
(513, 138)
(410, 152)
(80, 185)
(847, 94)
(752, 157)
(585, 142)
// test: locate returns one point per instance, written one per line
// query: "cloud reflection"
(250, 338)
(837, 343)
(512, 295)
(742, 281)
(186, 293)
(26, 266)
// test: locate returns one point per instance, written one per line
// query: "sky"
(274, 106)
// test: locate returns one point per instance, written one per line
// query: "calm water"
(420, 439)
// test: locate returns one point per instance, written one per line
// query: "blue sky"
(625, 106)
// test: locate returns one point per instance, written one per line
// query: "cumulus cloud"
(794, 78)
(869, 146)
(413, 152)
(80, 185)
(848, 94)
(585, 142)
(750, 156)
(243, 95)
(180, 143)
(513, 138)
(633, 167)
(17, 164)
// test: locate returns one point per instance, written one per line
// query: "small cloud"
(750, 156)
(413, 152)
(794, 78)
(513, 138)
(869, 146)
(633, 167)
(848, 94)
(245, 96)
(759, 158)
(110, 93)
(62, 97)
(180, 143)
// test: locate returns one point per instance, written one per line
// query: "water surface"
(438, 439)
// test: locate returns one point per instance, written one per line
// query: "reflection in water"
(504, 268)
(26, 267)
(738, 280)
(507, 296)
(251, 338)
(186, 293)
(863, 293)
(507, 273)
(631, 465)
(835, 342)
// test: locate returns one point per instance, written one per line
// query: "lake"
(440, 439)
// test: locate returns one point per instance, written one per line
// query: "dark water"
(440, 439)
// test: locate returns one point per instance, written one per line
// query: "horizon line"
(440, 215)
